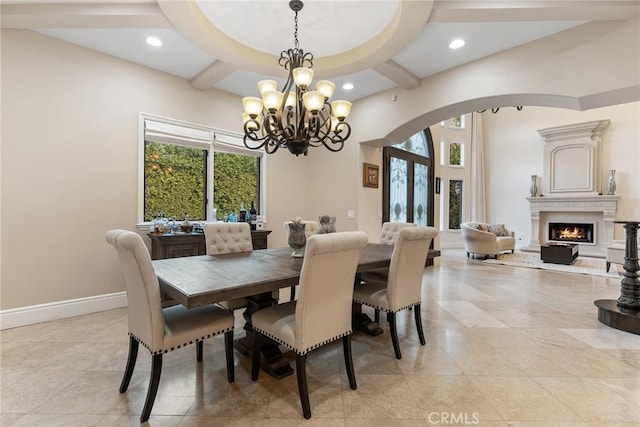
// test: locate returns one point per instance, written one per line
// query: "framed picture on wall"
(370, 175)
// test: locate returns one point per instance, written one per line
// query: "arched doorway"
(408, 180)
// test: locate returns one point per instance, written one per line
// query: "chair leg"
(608, 266)
(391, 318)
(376, 316)
(418, 317)
(293, 294)
(131, 363)
(154, 381)
(199, 348)
(467, 255)
(255, 356)
(348, 361)
(303, 390)
(228, 350)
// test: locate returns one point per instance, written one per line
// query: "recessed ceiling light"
(347, 86)
(153, 41)
(456, 44)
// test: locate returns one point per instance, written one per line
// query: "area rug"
(582, 265)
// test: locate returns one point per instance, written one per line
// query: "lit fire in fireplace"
(571, 233)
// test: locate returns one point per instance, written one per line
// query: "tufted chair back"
(310, 228)
(404, 286)
(389, 231)
(323, 309)
(227, 237)
(146, 321)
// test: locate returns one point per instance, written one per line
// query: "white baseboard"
(60, 309)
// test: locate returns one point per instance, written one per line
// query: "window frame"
(220, 140)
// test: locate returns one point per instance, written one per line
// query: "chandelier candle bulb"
(267, 85)
(326, 88)
(252, 105)
(302, 76)
(272, 100)
(291, 100)
(341, 109)
(313, 101)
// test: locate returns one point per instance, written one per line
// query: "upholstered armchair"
(487, 239)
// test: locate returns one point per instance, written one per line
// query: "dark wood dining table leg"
(361, 321)
(272, 360)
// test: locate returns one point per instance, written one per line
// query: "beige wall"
(69, 148)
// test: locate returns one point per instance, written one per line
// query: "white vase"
(611, 182)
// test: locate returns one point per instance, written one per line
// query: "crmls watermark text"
(453, 418)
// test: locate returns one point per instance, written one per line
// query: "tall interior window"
(193, 170)
(455, 204)
(408, 183)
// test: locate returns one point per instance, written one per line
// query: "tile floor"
(506, 346)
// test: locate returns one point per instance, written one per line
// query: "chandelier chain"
(295, 32)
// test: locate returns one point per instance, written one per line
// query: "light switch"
(351, 214)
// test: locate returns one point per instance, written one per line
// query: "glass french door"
(408, 181)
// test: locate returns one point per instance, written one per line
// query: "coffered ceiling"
(374, 44)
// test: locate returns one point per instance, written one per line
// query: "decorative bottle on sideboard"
(253, 216)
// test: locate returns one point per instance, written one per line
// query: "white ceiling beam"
(520, 11)
(397, 74)
(77, 15)
(211, 75)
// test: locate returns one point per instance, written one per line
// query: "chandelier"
(297, 117)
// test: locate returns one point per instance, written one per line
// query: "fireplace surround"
(572, 189)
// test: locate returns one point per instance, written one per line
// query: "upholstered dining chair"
(403, 287)
(310, 228)
(388, 236)
(322, 312)
(158, 329)
(226, 238)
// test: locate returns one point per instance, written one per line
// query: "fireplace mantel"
(599, 209)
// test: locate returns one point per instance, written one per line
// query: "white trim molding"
(29, 315)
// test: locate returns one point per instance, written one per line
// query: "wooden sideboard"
(191, 244)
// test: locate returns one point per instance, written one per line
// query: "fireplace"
(571, 232)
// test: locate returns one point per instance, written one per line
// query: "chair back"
(146, 321)
(310, 228)
(389, 231)
(404, 285)
(227, 237)
(323, 308)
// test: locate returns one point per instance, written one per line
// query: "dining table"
(257, 276)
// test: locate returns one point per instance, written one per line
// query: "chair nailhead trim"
(385, 309)
(307, 350)
(166, 350)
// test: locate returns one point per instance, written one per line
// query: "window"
(455, 204)
(174, 181)
(236, 179)
(177, 160)
(456, 154)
